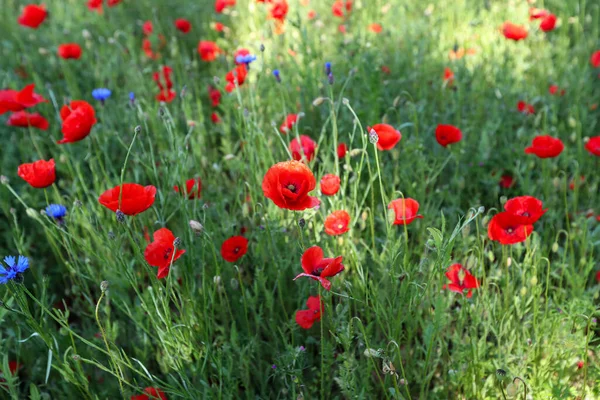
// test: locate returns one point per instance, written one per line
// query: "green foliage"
(214, 329)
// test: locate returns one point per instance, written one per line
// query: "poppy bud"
(402, 382)
(345, 101)
(138, 129)
(373, 137)
(120, 216)
(176, 242)
(500, 373)
(301, 222)
(196, 227)
(555, 247)
(511, 390)
(4, 180)
(31, 212)
(318, 101)
(104, 286)
(262, 47)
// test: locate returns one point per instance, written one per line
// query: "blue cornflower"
(56, 211)
(15, 268)
(327, 68)
(247, 59)
(276, 75)
(101, 94)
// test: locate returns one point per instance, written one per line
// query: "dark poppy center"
(292, 188)
(318, 272)
(168, 253)
(526, 214)
(236, 250)
(510, 229)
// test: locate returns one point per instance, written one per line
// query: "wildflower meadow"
(300, 199)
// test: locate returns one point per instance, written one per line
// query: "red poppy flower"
(595, 59)
(554, 90)
(214, 117)
(548, 23)
(514, 32)
(183, 25)
(507, 228)
(311, 14)
(147, 49)
(506, 181)
(234, 248)
(545, 147)
(593, 146)
(193, 188)
(39, 174)
(341, 8)
(208, 50)
(135, 199)
(219, 27)
(387, 134)
(11, 100)
(375, 28)
(24, 119)
(288, 183)
(537, 13)
(220, 5)
(150, 393)
(215, 96)
(460, 280)
(69, 51)
(525, 108)
(160, 254)
(306, 318)
(238, 74)
(458, 53)
(330, 184)
(306, 146)
(342, 28)
(95, 5)
(337, 223)
(13, 367)
(598, 273)
(528, 208)
(279, 10)
(448, 76)
(78, 119)
(447, 134)
(289, 123)
(33, 16)
(318, 268)
(342, 149)
(405, 211)
(147, 28)
(167, 94)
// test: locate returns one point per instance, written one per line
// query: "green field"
(169, 271)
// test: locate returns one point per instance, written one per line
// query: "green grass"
(214, 329)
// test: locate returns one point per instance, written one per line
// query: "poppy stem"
(322, 352)
(135, 133)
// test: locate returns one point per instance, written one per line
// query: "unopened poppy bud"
(138, 129)
(234, 284)
(373, 137)
(500, 373)
(76, 357)
(533, 281)
(345, 101)
(217, 280)
(301, 222)
(4, 180)
(31, 212)
(177, 242)
(196, 227)
(511, 390)
(262, 47)
(104, 286)
(503, 199)
(402, 382)
(120, 216)
(508, 261)
(481, 210)
(318, 101)
(555, 247)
